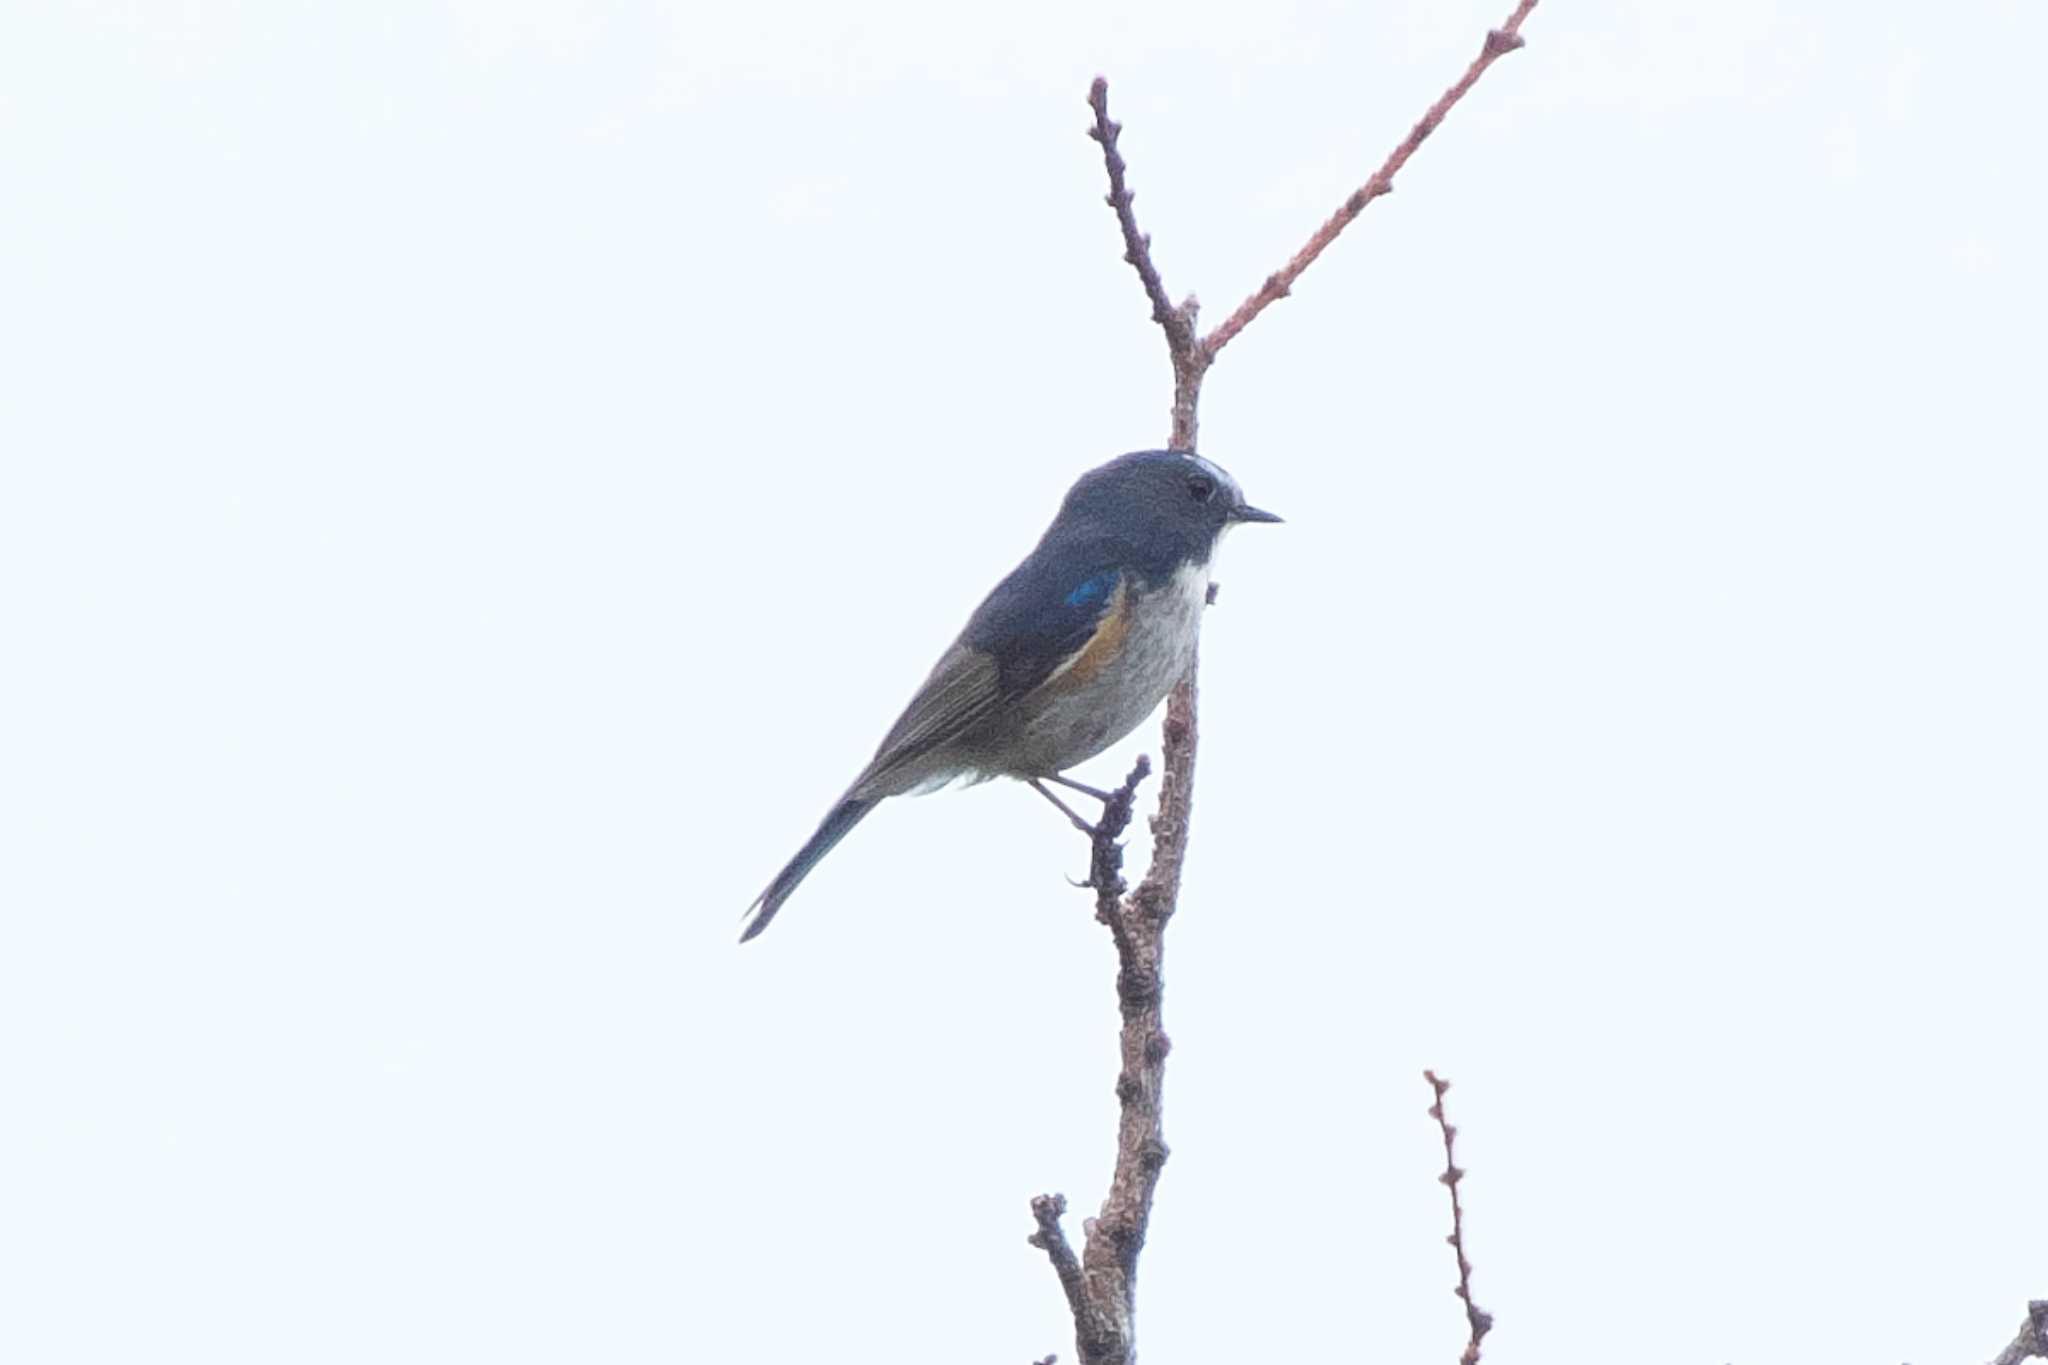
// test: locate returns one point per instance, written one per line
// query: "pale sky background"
(477, 479)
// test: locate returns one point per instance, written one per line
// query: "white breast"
(1078, 723)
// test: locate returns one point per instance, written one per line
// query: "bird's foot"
(1105, 851)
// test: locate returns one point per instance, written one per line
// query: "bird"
(1066, 656)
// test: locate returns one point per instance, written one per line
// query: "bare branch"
(1190, 358)
(1101, 1283)
(1180, 337)
(1101, 1320)
(1051, 1238)
(1478, 1321)
(1103, 1295)
(1138, 924)
(1099, 1333)
(1499, 42)
(2032, 1339)
(1101, 1287)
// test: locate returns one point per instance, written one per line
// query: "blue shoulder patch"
(1094, 590)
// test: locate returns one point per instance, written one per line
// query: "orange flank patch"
(1104, 645)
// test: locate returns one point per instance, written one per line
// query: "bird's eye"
(1201, 488)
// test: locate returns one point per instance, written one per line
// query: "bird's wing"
(1043, 625)
(1034, 628)
(961, 690)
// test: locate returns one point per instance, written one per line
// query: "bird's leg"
(1100, 795)
(1105, 854)
(1065, 809)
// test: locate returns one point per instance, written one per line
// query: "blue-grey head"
(1162, 508)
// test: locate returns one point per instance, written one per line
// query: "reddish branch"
(1104, 1297)
(1478, 1321)
(1499, 42)
(1192, 354)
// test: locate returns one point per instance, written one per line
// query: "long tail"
(836, 826)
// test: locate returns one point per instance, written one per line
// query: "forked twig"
(1104, 1296)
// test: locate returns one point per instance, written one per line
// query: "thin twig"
(1190, 358)
(1138, 926)
(1051, 1238)
(1097, 1333)
(1499, 42)
(2032, 1339)
(1477, 1320)
(1137, 246)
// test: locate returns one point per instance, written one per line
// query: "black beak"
(1246, 512)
